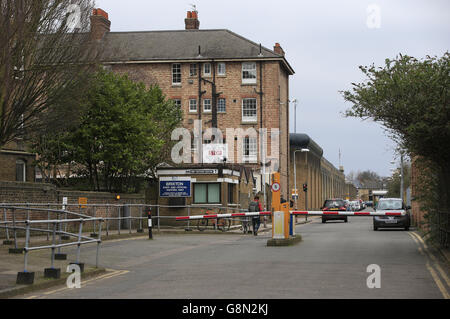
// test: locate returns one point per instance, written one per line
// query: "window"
(221, 69)
(192, 106)
(249, 73)
(176, 74)
(207, 108)
(177, 102)
(206, 193)
(249, 110)
(221, 106)
(193, 69)
(21, 174)
(231, 188)
(207, 69)
(250, 151)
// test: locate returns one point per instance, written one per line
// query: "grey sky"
(325, 42)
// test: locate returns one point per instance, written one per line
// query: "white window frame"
(204, 69)
(218, 105)
(191, 103)
(221, 71)
(249, 73)
(247, 118)
(174, 74)
(204, 106)
(250, 149)
(24, 170)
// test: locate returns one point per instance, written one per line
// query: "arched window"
(21, 171)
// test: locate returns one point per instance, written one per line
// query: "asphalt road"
(331, 262)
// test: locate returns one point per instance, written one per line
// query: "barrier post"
(53, 272)
(15, 250)
(150, 226)
(25, 277)
(7, 241)
(77, 262)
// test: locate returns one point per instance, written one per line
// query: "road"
(330, 262)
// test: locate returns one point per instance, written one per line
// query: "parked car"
(369, 203)
(391, 204)
(337, 205)
(355, 206)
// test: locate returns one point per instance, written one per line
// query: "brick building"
(322, 178)
(218, 78)
(16, 163)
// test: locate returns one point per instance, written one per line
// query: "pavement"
(332, 262)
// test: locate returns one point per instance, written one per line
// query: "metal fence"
(439, 223)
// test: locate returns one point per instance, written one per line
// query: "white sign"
(214, 153)
(64, 203)
(276, 187)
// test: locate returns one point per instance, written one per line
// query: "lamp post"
(303, 150)
(295, 116)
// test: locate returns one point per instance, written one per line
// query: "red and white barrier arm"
(223, 216)
(345, 213)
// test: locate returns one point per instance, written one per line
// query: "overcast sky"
(325, 42)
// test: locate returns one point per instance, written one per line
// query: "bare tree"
(45, 53)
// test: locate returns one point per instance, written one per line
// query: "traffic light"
(305, 187)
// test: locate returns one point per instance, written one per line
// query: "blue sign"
(175, 188)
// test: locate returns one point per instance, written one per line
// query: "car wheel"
(375, 228)
(407, 228)
(323, 221)
(346, 220)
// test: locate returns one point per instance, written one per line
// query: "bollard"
(150, 234)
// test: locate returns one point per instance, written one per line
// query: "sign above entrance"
(175, 187)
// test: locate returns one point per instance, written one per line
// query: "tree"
(45, 53)
(123, 134)
(410, 99)
(393, 185)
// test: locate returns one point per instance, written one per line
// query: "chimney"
(191, 21)
(278, 49)
(99, 24)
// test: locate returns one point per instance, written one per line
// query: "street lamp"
(303, 150)
(295, 115)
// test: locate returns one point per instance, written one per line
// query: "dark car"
(334, 205)
(391, 205)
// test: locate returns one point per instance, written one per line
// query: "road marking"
(438, 282)
(84, 283)
(433, 257)
(430, 256)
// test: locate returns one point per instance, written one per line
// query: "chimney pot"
(192, 22)
(100, 24)
(278, 49)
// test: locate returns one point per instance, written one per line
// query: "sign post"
(150, 225)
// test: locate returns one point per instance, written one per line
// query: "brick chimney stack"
(192, 22)
(100, 24)
(278, 49)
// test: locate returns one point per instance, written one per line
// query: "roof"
(149, 46)
(300, 141)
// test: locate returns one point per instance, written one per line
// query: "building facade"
(322, 179)
(219, 79)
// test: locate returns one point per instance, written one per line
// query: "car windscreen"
(334, 203)
(389, 204)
